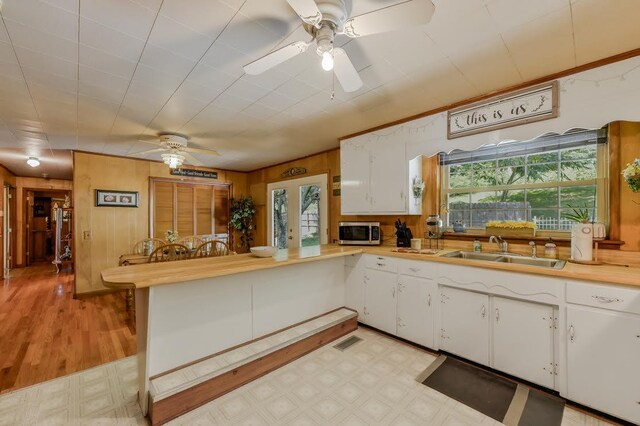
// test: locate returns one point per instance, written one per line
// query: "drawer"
(417, 269)
(615, 298)
(382, 263)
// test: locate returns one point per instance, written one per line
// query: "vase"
(582, 242)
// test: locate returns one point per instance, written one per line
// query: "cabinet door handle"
(572, 333)
(484, 311)
(429, 299)
(380, 264)
(414, 269)
(497, 314)
(393, 292)
(604, 299)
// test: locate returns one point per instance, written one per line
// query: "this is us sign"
(524, 106)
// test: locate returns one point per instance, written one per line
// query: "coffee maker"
(433, 234)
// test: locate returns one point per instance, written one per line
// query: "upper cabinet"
(377, 178)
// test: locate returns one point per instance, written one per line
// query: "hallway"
(47, 334)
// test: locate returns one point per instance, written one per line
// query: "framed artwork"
(109, 198)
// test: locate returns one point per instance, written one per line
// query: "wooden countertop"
(152, 274)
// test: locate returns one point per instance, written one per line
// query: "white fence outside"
(552, 223)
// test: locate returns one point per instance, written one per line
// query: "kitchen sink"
(515, 259)
(533, 261)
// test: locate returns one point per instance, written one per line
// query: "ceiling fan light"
(33, 162)
(173, 160)
(327, 61)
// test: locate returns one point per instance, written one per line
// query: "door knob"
(290, 237)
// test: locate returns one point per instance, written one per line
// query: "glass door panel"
(309, 220)
(280, 222)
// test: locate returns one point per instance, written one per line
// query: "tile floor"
(371, 383)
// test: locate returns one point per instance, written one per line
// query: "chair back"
(191, 242)
(147, 246)
(212, 249)
(169, 253)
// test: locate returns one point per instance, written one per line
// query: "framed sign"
(532, 104)
(293, 171)
(194, 173)
(109, 198)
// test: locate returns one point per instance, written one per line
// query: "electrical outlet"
(86, 235)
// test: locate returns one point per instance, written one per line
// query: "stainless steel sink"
(533, 261)
(474, 255)
(515, 259)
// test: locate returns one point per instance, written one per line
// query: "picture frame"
(114, 198)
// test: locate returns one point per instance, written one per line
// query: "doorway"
(298, 212)
(41, 234)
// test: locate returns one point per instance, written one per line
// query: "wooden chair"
(192, 242)
(169, 253)
(212, 249)
(140, 246)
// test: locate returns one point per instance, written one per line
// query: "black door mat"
(491, 394)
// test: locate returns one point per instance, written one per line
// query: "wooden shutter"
(163, 208)
(204, 210)
(185, 213)
(221, 212)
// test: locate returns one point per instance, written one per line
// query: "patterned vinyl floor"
(371, 383)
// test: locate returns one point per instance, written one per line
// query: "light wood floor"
(45, 333)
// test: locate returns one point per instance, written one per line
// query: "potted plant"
(581, 234)
(631, 175)
(242, 212)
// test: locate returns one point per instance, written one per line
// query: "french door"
(298, 212)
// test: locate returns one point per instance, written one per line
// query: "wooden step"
(181, 390)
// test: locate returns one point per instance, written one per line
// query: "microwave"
(359, 233)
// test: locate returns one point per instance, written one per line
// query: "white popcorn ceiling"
(94, 75)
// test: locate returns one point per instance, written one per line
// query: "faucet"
(503, 246)
(534, 249)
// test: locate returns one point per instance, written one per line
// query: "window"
(537, 180)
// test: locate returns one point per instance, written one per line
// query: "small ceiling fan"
(174, 149)
(325, 19)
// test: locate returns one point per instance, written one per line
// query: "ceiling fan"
(174, 149)
(325, 19)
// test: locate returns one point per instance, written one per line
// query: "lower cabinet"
(523, 336)
(416, 309)
(380, 300)
(464, 324)
(603, 360)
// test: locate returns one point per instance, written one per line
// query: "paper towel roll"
(582, 241)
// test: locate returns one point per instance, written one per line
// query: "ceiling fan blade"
(191, 159)
(407, 14)
(150, 151)
(202, 151)
(307, 10)
(345, 71)
(275, 58)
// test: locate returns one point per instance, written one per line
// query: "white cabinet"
(603, 360)
(376, 177)
(416, 306)
(380, 300)
(523, 336)
(355, 163)
(464, 317)
(354, 285)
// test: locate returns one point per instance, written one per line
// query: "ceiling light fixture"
(173, 159)
(327, 61)
(33, 162)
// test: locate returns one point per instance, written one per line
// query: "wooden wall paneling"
(629, 200)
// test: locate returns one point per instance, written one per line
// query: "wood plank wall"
(102, 234)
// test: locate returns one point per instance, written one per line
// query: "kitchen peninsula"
(189, 310)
